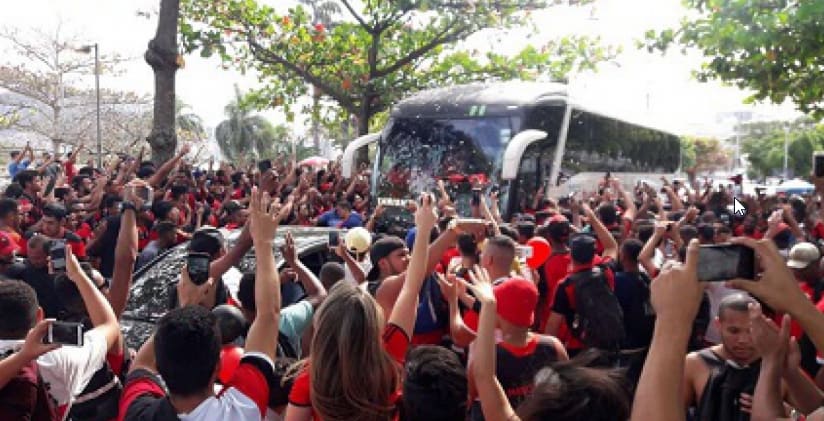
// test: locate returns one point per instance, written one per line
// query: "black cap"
(582, 248)
(379, 250)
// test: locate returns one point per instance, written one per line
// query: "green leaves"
(371, 58)
(774, 48)
(763, 143)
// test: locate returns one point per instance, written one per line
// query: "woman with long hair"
(354, 368)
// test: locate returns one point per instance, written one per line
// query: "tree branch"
(443, 38)
(358, 17)
(265, 55)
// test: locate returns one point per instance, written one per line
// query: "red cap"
(7, 246)
(516, 299)
(557, 219)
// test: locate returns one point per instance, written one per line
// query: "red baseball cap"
(7, 246)
(516, 299)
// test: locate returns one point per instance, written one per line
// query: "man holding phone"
(65, 372)
(52, 226)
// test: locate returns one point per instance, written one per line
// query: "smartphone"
(65, 333)
(197, 264)
(145, 193)
(818, 163)
(723, 262)
(476, 197)
(57, 252)
(525, 252)
(334, 238)
(60, 192)
(265, 165)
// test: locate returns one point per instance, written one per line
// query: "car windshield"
(416, 152)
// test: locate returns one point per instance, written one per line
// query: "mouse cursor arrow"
(738, 208)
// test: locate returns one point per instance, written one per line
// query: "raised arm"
(33, 347)
(603, 234)
(100, 312)
(265, 216)
(494, 403)
(462, 336)
(311, 284)
(125, 252)
(648, 252)
(676, 296)
(406, 307)
(167, 167)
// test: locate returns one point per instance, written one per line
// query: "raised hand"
(776, 285)
(426, 216)
(33, 346)
(770, 341)
(288, 250)
(676, 292)
(481, 285)
(264, 215)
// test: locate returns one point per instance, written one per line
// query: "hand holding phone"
(334, 238)
(57, 255)
(64, 333)
(197, 265)
(724, 262)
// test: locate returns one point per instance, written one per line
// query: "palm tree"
(243, 137)
(189, 125)
(323, 12)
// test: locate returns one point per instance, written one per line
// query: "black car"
(151, 286)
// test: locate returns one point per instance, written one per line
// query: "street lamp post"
(786, 149)
(88, 49)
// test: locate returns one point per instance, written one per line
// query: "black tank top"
(516, 370)
(727, 381)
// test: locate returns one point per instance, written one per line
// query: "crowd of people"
(582, 307)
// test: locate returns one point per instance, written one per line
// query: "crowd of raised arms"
(582, 308)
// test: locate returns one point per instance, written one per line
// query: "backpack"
(719, 402)
(25, 397)
(100, 398)
(599, 320)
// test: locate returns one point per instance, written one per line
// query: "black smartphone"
(265, 165)
(197, 264)
(145, 193)
(476, 197)
(61, 192)
(818, 164)
(65, 333)
(57, 253)
(723, 262)
(334, 238)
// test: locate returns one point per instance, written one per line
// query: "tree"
(763, 142)
(704, 154)
(162, 55)
(379, 54)
(323, 12)
(773, 48)
(244, 137)
(42, 77)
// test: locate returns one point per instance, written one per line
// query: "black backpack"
(100, 399)
(25, 397)
(599, 320)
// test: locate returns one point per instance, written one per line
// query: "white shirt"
(366, 265)
(68, 370)
(232, 405)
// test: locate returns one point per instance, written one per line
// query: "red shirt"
(143, 389)
(447, 257)
(556, 268)
(395, 342)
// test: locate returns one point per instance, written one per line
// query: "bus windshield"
(416, 152)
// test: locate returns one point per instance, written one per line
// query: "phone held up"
(723, 262)
(197, 265)
(334, 238)
(818, 163)
(64, 333)
(57, 254)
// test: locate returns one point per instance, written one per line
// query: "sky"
(652, 88)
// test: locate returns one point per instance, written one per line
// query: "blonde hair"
(352, 375)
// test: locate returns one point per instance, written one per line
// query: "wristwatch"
(126, 205)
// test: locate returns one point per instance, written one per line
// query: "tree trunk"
(363, 129)
(162, 57)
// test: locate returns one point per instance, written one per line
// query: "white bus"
(516, 137)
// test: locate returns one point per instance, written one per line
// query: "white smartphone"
(65, 333)
(525, 252)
